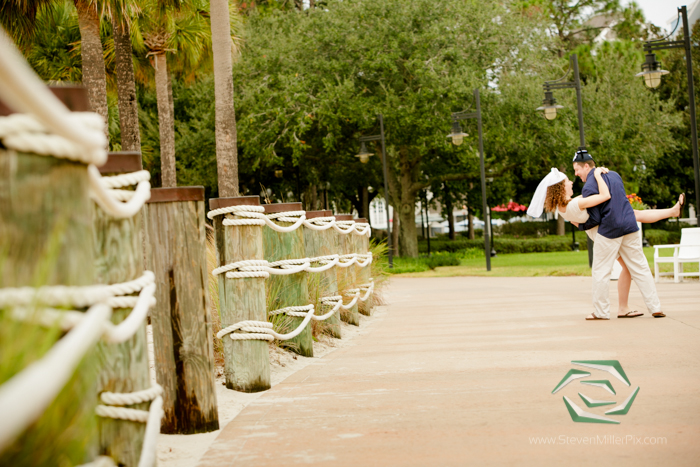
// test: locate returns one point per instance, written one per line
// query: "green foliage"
(662, 237)
(504, 245)
(527, 229)
(438, 260)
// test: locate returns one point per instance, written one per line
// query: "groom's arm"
(594, 211)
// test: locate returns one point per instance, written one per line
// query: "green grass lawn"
(565, 263)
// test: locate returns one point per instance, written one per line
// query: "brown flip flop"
(595, 318)
(631, 314)
(660, 314)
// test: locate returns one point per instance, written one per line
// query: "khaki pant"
(605, 253)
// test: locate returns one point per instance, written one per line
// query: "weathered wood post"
(246, 362)
(346, 276)
(119, 258)
(181, 319)
(46, 239)
(289, 290)
(324, 243)
(364, 274)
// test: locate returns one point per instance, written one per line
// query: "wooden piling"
(119, 258)
(46, 239)
(346, 276)
(181, 319)
(324, 243)
(361, 245)
(246, 362)
(289, 290)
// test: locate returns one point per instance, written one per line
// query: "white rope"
(320, 223)
(151, 417)
(262, 330)
(244, 269)
(22, 90)
(131, 398)
(23, 301)
(297, 311)
(109, 203)
(253, 215)
(122, 180)
(263, 269)
(362, 228)
(56, 295)
(150, 438)
(133, 286)
(344, 227)
(40, 382)
(369, 287)
(127, 328)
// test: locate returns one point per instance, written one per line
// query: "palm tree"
(226, 137)
(180, 29)
(19, 18)
(92, 54)
(121, 14)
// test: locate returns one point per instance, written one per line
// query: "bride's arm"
(604, 191)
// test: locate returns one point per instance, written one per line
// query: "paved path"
(459, 371)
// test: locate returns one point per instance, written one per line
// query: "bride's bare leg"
(649, 216)
(623, 289)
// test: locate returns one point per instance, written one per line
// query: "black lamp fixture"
(457, 134)
(550, 106)
(652, 72)
(364, 154)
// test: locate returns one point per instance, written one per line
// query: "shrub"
(662, 237)
(528, 229)
(508, 245)
(442, 260)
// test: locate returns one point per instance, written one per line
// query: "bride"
(555, 193)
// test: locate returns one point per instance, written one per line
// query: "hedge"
(662, 237)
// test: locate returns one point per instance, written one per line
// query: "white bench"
(688, 251)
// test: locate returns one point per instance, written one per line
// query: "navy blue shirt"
(615, 217)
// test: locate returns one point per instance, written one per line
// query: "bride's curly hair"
(556, 196)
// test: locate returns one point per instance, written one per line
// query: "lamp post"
(364, 158)
(550, 107)
(457, 137)
(652, 72)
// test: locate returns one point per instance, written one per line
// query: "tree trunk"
(561, 226)
(364, 203)
(126, 87)
(450, 215)
(92, 56)
(226, 150)
(408, 237)
(166, 124)
(395, 227)
(470, 217)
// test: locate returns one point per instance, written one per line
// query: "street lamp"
(549, 104)
(364, 154)
(550, 107)
(364, 158)
(457, 138)
(652, 72)
(457, 135)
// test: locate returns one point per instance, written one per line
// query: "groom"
(617, 236)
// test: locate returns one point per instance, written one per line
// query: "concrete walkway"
(459, 371)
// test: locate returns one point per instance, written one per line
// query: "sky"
(659, 12)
